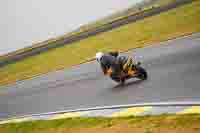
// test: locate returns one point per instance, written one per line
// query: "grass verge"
(91, 26)
(189, 123)
(182, 20)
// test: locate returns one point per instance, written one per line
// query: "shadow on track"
(133, 83)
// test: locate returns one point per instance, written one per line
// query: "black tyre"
(142, 73)
(123, 81)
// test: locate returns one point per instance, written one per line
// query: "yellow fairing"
(128, 67)
(109, 72)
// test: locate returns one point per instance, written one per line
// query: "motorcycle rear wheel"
(142, 73)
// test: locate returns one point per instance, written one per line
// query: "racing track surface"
(174, 75)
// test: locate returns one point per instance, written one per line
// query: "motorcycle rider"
(114, 65)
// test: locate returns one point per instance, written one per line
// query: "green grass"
(146, 123)
(176, 22)
(125, 13)
(36, 126)
(164, 2)
(93, 25)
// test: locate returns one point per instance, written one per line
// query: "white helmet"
(99, 55)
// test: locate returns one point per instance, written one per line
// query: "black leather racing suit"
(115, 62)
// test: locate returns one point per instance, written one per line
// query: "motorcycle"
(134, 71)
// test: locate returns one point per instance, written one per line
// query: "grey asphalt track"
(174, 75)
